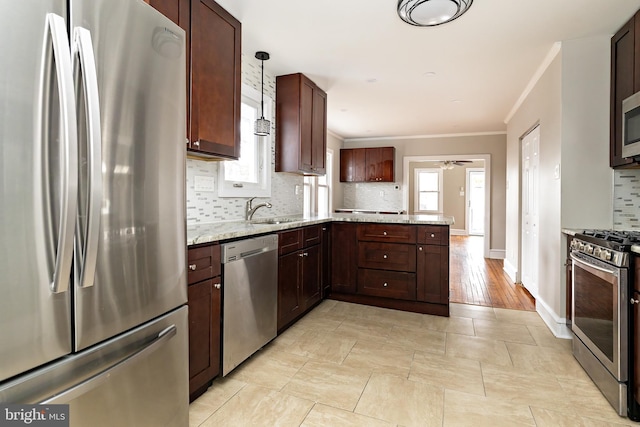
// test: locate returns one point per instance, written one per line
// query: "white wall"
(570, 103)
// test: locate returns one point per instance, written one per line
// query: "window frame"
(229, 188)
(416, 185)
(311, 185)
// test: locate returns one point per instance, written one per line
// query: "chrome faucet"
(249, 210)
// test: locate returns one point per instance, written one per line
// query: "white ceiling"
(374, 67)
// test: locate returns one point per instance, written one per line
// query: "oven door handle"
(587, 264)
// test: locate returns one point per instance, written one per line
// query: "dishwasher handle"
(247, 248)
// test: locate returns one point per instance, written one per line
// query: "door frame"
(467, 198)
(487, 190)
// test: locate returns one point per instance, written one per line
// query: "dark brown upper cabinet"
(301, 125)
(367, 164)
(213, 75)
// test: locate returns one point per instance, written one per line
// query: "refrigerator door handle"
(102, 376)
(56, 38)
(84, 63)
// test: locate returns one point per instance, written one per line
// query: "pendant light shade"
(262, 126)
(428, 13)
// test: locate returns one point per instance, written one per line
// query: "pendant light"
(263, 126)
(428, 13)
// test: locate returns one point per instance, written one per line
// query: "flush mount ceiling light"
(428, 13)
(263, 126)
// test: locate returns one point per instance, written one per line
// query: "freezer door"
(135, 270)
(37, 185)
(137, 379)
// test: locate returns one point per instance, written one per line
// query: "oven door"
(600, 310)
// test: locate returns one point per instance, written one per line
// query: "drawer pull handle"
(217, 285)
(384, 256)
(433, 235)
(192, 267)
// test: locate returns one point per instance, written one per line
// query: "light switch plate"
(203, 183)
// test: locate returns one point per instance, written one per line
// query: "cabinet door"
(310, 276)
(204, 333)
(622, 86)
(344, 257)
(306, 123)
(433, 274)
(289, 303)
(215, 81)
(352, 165)
(380, 164)
(319, 131)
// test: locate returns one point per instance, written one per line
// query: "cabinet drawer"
(433, 235)
(289, 241)
(389, 284)
(203, 263)
(387, 256)
(311, 235)
(387, 233)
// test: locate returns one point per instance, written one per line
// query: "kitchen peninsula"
(392, 261)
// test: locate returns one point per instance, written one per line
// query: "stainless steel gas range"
(601, 279)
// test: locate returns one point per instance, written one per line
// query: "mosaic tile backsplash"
(373, 196)
(207, 207)
(626, 199)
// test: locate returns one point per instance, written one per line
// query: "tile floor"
(353, 365)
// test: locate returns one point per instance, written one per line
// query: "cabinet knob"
(217, 285)
(196, 144)
(634, 301)
(301, 255)
(192, 267)
(187, 140)
(384, 233)
(384, 256)
(306, 254)
(433, 235)
(420, 248)
(385, 284)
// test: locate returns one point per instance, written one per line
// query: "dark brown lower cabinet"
(344, 257)
(204, 338)
(404, 267)
(205, 306)
(299, 273)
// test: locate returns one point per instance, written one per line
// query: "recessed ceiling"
(386, 78)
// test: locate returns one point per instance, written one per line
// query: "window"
(250, 175)
(428, 191)
(317, 191)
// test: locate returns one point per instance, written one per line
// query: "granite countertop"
(226, 230)
(571, 231)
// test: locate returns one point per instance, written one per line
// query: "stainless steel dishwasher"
(249, 318)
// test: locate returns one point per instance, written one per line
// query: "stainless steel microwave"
(631, 126)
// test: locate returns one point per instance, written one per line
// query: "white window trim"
(263, 187)
(416, 198)
(311, 186)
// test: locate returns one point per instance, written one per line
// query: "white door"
(475, 201)
(530, 226)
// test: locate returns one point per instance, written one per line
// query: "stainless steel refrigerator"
(92, 219)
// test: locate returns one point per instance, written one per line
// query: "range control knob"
(597, 252)
(588, 249)
(607, 255)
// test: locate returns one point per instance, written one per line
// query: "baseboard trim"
(511, 271)
(497, 253)
(458, 232)
(557, 325)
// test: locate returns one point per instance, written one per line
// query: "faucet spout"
(250, 210)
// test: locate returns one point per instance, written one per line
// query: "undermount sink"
(273, 220)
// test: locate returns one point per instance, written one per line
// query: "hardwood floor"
(479, 281)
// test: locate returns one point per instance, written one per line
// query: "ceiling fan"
(450, 164)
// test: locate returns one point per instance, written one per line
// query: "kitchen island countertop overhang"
(227, 230)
